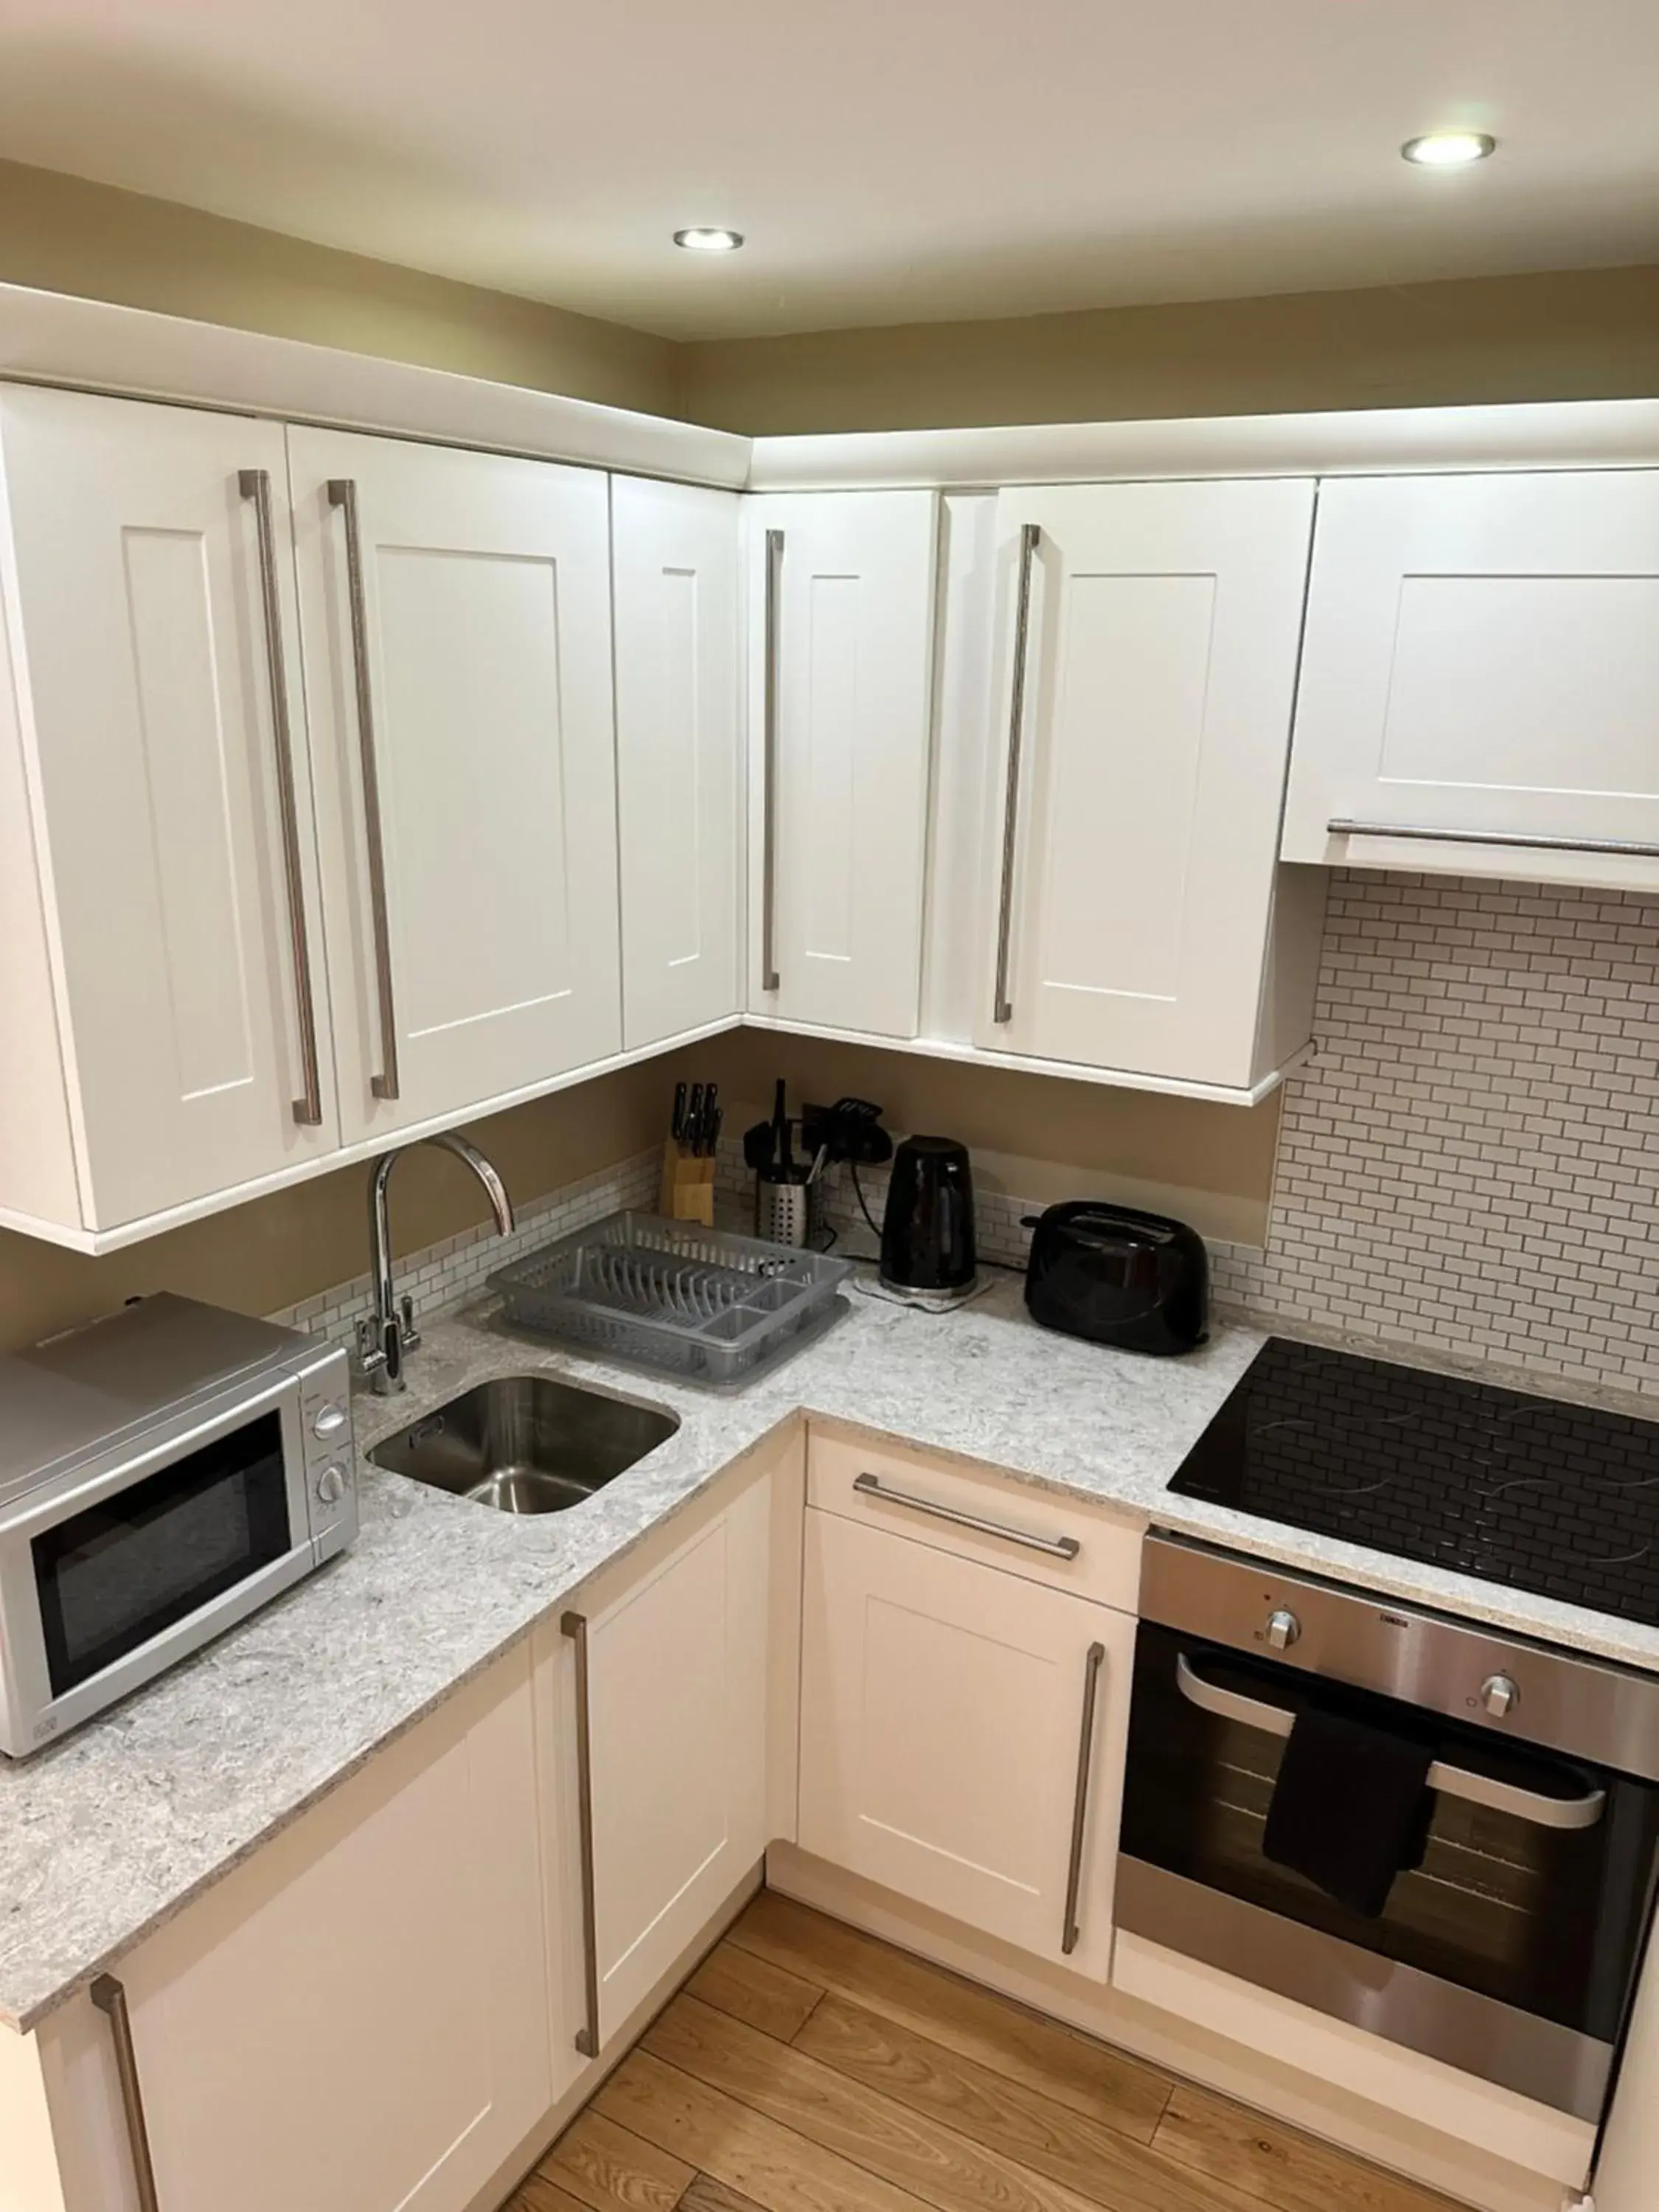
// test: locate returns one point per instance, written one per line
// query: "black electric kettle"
(928, 1230)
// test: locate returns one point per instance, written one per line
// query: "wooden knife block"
(687, 1186)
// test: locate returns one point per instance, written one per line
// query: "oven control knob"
(1500, 1696)
(331, 1484)
(328, 1421)
(1284, 1629)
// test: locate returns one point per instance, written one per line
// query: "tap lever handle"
(411, 1336)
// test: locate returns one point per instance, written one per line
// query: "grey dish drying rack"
(672, 1295)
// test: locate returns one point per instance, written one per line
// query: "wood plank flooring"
(807, 2068)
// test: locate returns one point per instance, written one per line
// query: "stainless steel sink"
(526, 1443)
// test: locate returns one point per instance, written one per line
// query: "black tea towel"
(1349, 1808)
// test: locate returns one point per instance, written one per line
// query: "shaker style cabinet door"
(1149, 636)
(841, 630)
(455, 612)
(664, 1703)
(1480, 677)
(354, 2020)
(161, 763)
(948, 1711)
(679, 768)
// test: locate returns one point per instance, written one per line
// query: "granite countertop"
(104, 1837)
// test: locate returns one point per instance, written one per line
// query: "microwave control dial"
(1284, 1629)
(1500, 1696)
(331, 1484)
(328, 1421)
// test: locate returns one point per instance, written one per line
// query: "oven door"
(1510, 1951)
(131, 1563)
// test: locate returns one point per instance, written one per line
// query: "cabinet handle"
(108, 1993)
(1629, 845)
(343, 494)
(1085, 1759)
(255, 484)
(770, 977)
(1030, 537)
(574, 1625)
(1053, 1548)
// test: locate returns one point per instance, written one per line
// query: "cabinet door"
(674, 556)
(355, 2020)
(1482, 657)
(1154, 725)
(471, 884)
(840, 793)
(135, 594)
(944, 1706)
(677, 1685)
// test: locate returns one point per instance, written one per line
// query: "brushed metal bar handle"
(111, 1999)
(574, 1625)
(343, 494)
(1030, 537)
(255, 484)
(769, 977)
(1053, 1547)
(1526, 841)
(1528, 1805)
(1085, 1759)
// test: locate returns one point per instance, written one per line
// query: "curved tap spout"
(384, 1341)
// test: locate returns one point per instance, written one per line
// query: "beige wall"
(1585, 334)
(1036, 1136)
(63, 234)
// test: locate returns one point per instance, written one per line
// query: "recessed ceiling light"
(1448, 149)
(706, 240)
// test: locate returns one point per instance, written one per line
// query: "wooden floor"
(806, 2068)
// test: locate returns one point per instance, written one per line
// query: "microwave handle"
(1528, 1805)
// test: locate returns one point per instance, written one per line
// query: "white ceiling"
(891, 160)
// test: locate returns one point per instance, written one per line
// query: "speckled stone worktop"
(105, 1836)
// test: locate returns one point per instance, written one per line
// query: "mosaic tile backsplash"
(1470, 1161)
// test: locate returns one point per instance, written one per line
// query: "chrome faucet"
(384, 1342)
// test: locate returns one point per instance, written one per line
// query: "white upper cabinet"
(162, 984)
(674, 563)
(1131, 903)
(1482, 667)
(841, 626)
(455, 608)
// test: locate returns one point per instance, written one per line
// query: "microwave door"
(124, 1566)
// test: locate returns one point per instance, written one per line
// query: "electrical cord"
(858, 1192)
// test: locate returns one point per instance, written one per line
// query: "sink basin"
(526, 1443)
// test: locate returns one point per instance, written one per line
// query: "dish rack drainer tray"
(671, 1295)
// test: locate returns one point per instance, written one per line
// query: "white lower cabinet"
(355, 2020)
(963, 1736)
(659, 1692)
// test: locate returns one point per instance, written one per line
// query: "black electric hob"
(1562, 1500)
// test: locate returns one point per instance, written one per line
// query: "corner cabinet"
(679, 765)
(1135, 917)
(456, 614)
(841, 630)
(356, 2019)
(162, 952)
(1480, 682)
(963, 1722)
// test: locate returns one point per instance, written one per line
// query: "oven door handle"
(1527, 1805)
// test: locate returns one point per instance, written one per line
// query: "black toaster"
(1137, 1280)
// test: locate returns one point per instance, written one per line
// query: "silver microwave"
(163, 1473)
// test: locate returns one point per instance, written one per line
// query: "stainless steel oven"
(1510, 1945)
(163, 1473)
